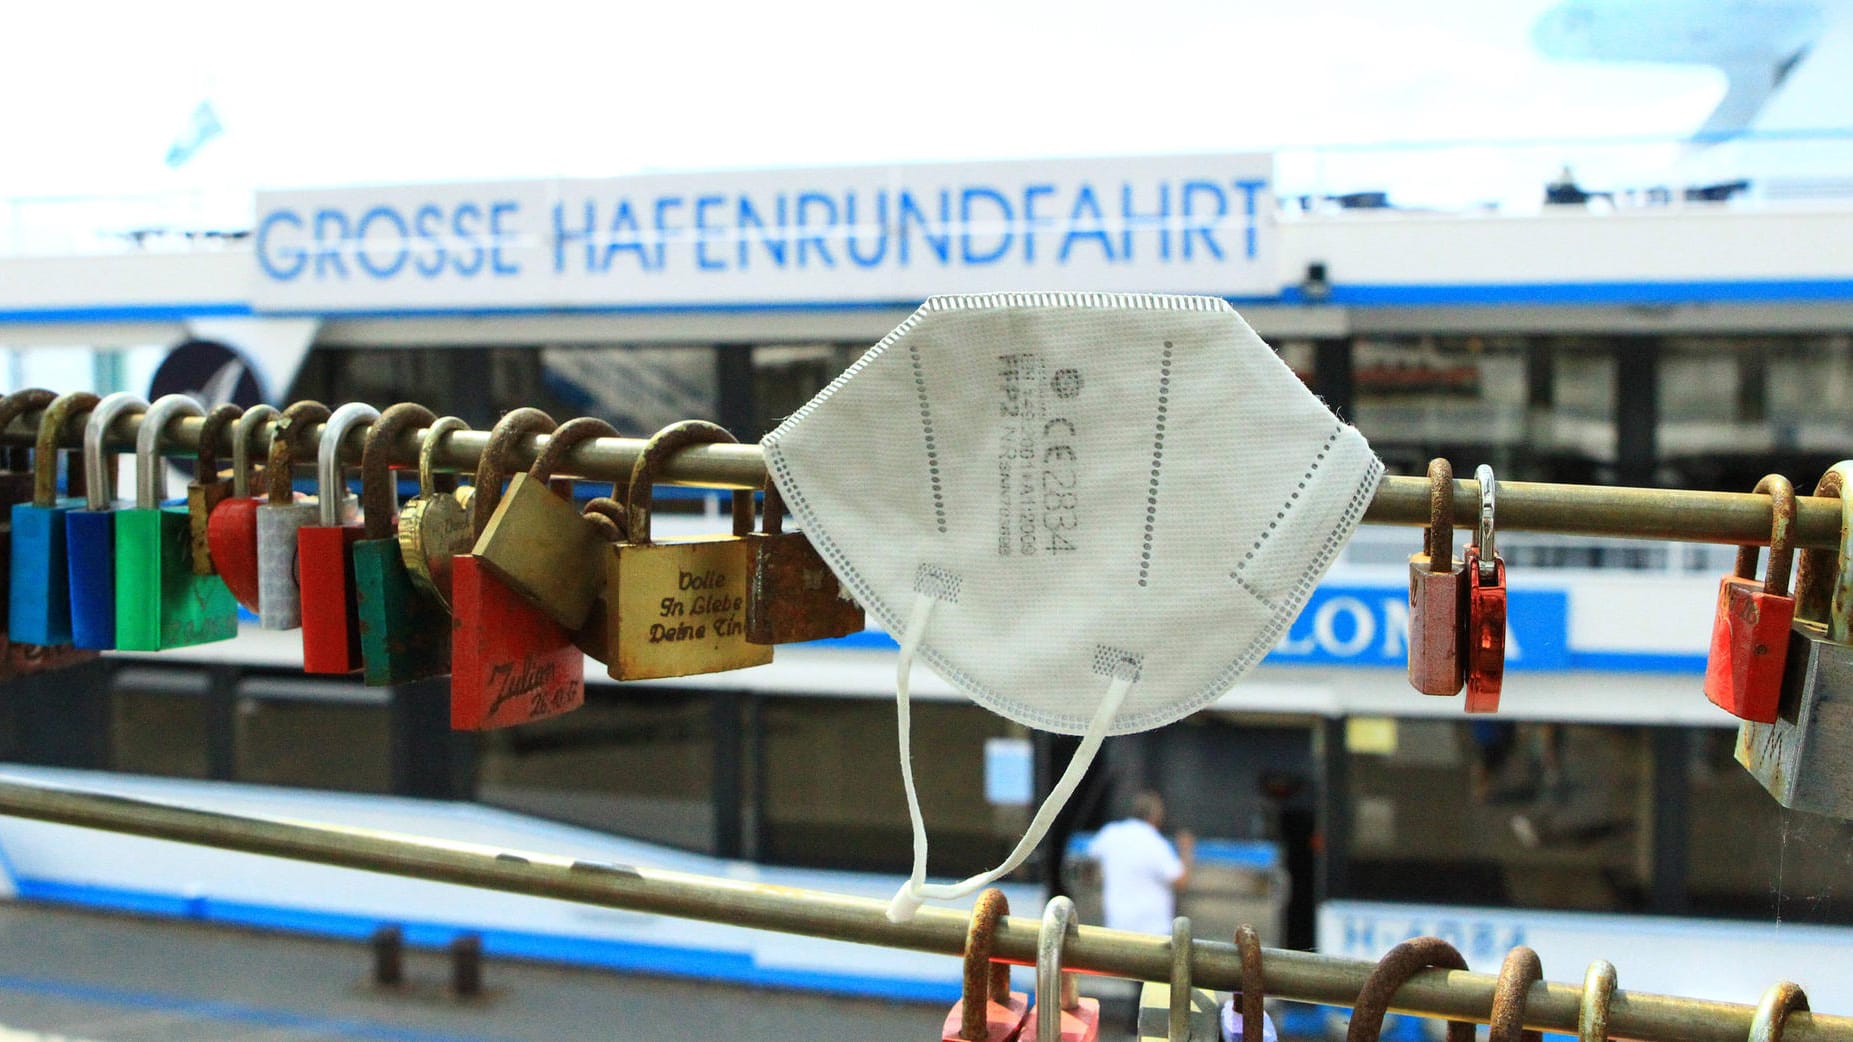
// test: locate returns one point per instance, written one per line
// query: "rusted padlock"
(208, 488)
(1437, 594)
(281, 516)
(231, 529)
(325, 554)
(39, 603)
(987, 1010)
(537, 542)
(1486, 608)
(613, 523)
(19, 489)
(434, 526)
(510, 662)
(1750, 633)
(1060, 1013)
(793, 595)
(678, 608)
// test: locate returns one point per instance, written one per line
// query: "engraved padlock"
(538, 543)
(1750, 632)
(325, 554)
(1801, 758)
(987, 1010)
(434, 526)
(39, 603)
(209, 486)
(404, 631)
(1485, 638)
(161, 602)
(678, 608)
(231, 528)
(793, 595)
(1437, 595)
(90, 533)
(281, 516)
(510, 662)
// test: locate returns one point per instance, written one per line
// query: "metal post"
(1637, 409)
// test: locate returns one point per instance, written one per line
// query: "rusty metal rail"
(1294, 975)
(1643, 513)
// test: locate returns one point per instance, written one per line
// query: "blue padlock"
(39, 603)
(90, 534)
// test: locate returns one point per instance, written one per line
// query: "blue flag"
(202, 127)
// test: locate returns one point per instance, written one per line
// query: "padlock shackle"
(58, 415)
(1592, 1015)
(1520, 970)
(772, 510)
(1772, 1012)
(428, 475)
(100, 480)
(1821, 578)
(1782, 508)
(559, 443)
(330, 480)
(1483, 536)
(1439, 536)
(211, 433)
(150, 468)
(984, 979)
(656, 452)
(32, 399)
(1055, 990)
(378, 494)
(612, 519)
(1181, 945)
(494, 464)
(254, 417)
(286, 445)
(1248, 946)
(1392, 972)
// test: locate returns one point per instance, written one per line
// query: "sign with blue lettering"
(1194, 224)
(1369, 626)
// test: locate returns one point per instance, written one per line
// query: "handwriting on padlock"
(548, 691)
(727, 603)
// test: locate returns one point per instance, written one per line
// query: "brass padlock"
(793, 595)
(538, 543)
(434, 526)
(678, 608)
(1437, 595)
(1802, 757)
(613, 524)
(208, 488)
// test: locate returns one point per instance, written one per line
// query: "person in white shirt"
(1141, 874)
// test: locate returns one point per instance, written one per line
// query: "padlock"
(1173, 1011)
(792, 594)
(538, 544)
(987, 1010)
(281, 516)
(90, 533)
(434, 526)
(161, 602)
(1437, 595)
(1060, 1013)
(678, 608)
(209, 487)
(1801, 758)
(39, 602)
(613, 524)
(1485, 637)
(231, 530)
(1750, 633)
(510, 662)
(325, 555)
(17, 489)
(404, 631)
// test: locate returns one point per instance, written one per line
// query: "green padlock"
(160, 601)
(404, 631)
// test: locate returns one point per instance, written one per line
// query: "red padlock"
(1485, 639)
(1750, 634)
(510, 662)
(231, 527)
(1437, 594)
(325, 555)
(987, 1011)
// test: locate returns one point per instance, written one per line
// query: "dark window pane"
(283, 736)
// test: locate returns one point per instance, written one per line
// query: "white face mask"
(1091, 512)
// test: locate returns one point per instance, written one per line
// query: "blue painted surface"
(628, 956)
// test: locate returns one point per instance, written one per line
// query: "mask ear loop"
(917, 891)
